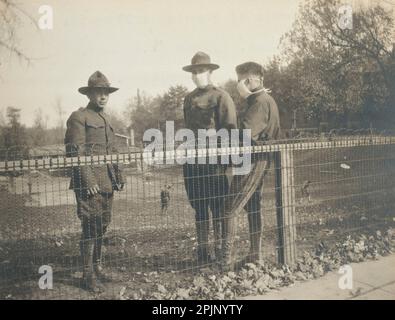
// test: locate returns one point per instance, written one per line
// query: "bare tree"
(39, 130)
(61, 113)
(12, 16)
(2, 119)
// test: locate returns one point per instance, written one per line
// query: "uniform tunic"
(208, 108)
(89, 132)
(261, 116)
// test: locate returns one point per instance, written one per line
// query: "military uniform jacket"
(89, 132)
(262, 117)
(209, 108)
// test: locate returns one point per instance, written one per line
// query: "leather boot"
(97, 261)
(255, 227)
(255, 255)
(227, 262)
(202, 230)
(218, 238)
(88, 277)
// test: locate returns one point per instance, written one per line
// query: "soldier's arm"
(256, 119)
(227, 112)
(186, 99)
(76, 146)
(118, 167)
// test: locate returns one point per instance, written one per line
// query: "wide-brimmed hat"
(200, 59)
(97, 80)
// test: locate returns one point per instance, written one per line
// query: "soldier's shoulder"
(78, 114)
(271, 101)
(191, 94)
(221, 92)
(267, 101)
(265, 97)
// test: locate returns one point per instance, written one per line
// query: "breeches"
(95, 214)
(206, 186)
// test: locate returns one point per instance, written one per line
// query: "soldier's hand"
(94, 190)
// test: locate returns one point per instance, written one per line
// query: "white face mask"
(201, 80)
(243, 90)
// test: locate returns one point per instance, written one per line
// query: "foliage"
(145, 112)
(329, 73)
(14, 133)
(255, 279)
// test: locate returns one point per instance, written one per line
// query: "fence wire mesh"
(314, 193)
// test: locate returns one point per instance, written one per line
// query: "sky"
(137, 44)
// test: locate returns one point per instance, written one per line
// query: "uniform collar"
(94, 107)
(259, 91)
(206, 88)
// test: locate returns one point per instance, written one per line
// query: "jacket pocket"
(95, 133)
(94, 125)
(203, 117)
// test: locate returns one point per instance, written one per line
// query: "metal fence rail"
(16, 161)
(315, 192)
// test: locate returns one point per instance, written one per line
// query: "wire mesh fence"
(314, 193)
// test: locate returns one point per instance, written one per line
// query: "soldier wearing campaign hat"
(207, 107)
(89, 132)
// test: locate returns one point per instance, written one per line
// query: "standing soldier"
(89, 132)
(165, 198)
(261, 116)
(30, 183)
(305, 189)
(207, 107)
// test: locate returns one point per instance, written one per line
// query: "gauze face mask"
(201, 80)
(243, 90)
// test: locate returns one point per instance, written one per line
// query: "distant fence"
(315, 191)
(316, 132)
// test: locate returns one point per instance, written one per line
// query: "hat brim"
(85, 90)
(191, 67)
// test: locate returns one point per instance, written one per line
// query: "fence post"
(285, 205)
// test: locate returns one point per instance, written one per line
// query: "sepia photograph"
(220, 151)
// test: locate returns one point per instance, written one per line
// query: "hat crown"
(201, 58)
(98, 79)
